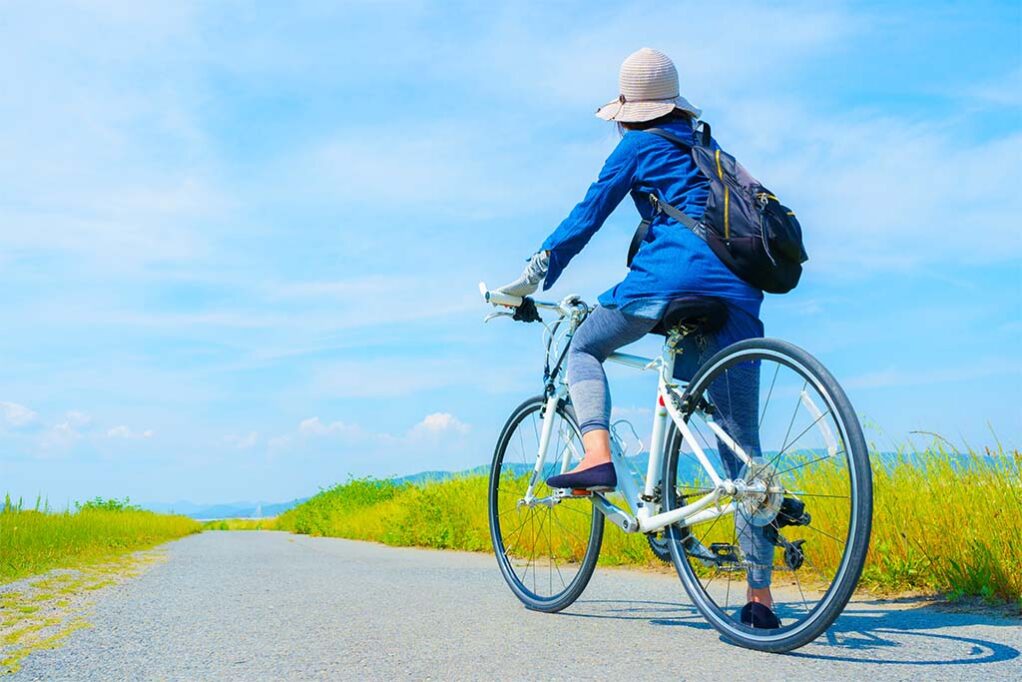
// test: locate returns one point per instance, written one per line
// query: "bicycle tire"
(561, 600)
(849, 570)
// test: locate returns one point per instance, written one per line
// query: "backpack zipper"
(727, 199)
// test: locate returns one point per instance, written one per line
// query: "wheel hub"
(759, 492)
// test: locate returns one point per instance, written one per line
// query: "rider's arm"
(529, 280)
(587, 217)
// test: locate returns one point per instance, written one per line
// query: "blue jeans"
(607, 329)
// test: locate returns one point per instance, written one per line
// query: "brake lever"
(496, 314)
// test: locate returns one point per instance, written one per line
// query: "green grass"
(34, 541)
(942, 524)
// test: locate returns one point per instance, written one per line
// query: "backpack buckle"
(655, 203)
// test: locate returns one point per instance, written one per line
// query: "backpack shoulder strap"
(660, 132)
(661, 207)
(702, 132)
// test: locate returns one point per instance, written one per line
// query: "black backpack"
(745, 225)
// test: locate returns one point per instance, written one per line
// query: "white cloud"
(16, 415)
(243, 442)
(314, 426)
(878, 193)
(438, 423)
(123, 432)
(78, 419)
(1004, 90)
(388, 377)
(899, 377)
(432, 426)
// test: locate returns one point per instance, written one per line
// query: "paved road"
(263, 605)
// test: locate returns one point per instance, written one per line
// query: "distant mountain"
(230, 510)
(436, 476)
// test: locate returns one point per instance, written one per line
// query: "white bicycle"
(805, 485)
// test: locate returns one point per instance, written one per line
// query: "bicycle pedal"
(724, 553)
(569, 494)
(699, 551)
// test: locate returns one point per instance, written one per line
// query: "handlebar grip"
(498, 298)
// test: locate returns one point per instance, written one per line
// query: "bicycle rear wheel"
(802, 525)
(546, 546)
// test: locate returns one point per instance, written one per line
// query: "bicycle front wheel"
(546, 546)
(799, 520)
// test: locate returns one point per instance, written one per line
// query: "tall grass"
(942, 523)
(36, 540)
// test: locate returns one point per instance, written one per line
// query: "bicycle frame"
(642, 515)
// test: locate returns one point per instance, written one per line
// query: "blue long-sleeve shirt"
(672, 261)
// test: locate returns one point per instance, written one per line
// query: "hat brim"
(639, 112)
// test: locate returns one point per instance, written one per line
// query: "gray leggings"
(607, 329)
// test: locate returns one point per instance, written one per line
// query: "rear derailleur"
(792, 513)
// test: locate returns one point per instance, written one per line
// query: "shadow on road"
(874, 632)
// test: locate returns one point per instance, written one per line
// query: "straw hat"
(649, 89)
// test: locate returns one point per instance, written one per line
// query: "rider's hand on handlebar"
(530, 278)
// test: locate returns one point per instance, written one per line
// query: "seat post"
(660, 417)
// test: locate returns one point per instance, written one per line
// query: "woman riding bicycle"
(671, 263)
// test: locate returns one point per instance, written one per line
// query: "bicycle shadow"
(884, 632)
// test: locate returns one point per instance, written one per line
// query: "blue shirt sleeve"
(612, 185)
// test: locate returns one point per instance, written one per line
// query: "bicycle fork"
(549, 412)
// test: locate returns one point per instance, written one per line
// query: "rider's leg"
(604, 331)
(737, 400)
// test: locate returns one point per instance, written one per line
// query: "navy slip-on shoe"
(757, 615)
(600, 476)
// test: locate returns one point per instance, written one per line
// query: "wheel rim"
(803, 454)
(542, 545)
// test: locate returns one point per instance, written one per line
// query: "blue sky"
(239, 242)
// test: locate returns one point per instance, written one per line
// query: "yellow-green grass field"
(33, 541)
(942, 524)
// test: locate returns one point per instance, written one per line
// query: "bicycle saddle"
(706, 314)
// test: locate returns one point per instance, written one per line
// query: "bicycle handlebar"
(498, 298)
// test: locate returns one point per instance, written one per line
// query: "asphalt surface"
(264, 605)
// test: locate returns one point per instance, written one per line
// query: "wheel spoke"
(521, 446)
(812, 461)
(532, 556)
(521, 532)
(766, 403)
(823, 532)
(804, 432)
(798, 403)
(708, 530)
(568, 531)
(799, 493)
